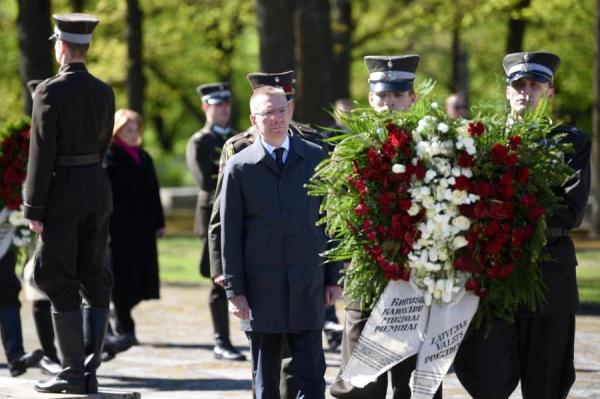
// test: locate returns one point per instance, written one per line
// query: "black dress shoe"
(58, 384)
(49, 366)
(227, 352)
(26, 360)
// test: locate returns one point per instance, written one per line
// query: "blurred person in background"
(456, 106)
(202, 157)
(136, 223)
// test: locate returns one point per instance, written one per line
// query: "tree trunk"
(313, 54)
(516, 27)
(596, 133)
(33, 24)
(77, 5)
(341, 35)
(276, 34)
(135, 74)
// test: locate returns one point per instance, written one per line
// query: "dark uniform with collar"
(386, 74)
(202, 156)
(538, 347)
(68, 191)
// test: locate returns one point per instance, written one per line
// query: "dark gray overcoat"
(271, 244)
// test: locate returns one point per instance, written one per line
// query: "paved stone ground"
(175, 359)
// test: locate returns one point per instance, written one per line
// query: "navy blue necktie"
(279, 156)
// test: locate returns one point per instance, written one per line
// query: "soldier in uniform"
(538, 346)
(68, 203)
(202, 155)
(391, 89)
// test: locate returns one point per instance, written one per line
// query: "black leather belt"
(77, 160)
(556, 232)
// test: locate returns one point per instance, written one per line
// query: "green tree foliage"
(189, 42)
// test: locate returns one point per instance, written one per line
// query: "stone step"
(20, 388)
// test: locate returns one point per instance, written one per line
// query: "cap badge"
(526, 57)
(276, 79)
(390, 64)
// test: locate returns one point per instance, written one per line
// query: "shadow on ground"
(174, 384)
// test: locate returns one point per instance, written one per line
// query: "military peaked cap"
(392, 73)
(74, 27)
(537, 65)
(214, 93)
(282, 80)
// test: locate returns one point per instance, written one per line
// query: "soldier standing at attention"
(202, 155)
(538, 346)
(391, 89)
(68, 203)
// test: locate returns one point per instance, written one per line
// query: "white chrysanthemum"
(434, 105)
(442, 127)
(459, 197)
(461, 222)
(17, 218)
(398, 168)
(459, 242)
(427, 202)
(413, 210)
(430, 175)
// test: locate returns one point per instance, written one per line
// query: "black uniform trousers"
(71, 259)
(307, 366)
(9, 283)
(536, 350)
(400, 374)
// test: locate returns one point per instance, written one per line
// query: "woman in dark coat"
(135, 224)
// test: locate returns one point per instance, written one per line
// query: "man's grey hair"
(263, 91)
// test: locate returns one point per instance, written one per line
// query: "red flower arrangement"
(506, 236)
(14, 151)
(383, 219)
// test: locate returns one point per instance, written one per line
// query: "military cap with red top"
(282, 80)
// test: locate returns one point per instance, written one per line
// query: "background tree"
(35, 61)
(136, 81)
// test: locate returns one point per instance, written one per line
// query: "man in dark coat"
(202, 155)
(68, 202)
(284, 81)
(538, 346)
(274, 276)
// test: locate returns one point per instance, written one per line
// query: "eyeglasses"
(273, 113)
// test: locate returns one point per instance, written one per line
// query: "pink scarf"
(132, 150)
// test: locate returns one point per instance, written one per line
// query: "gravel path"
(174, 359)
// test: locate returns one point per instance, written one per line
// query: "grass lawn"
(179, 257)
(588, 276)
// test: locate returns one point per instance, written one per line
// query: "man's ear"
(413, 97)
(253, 120)
(371, 99)
(204, 106)
(551, 92)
